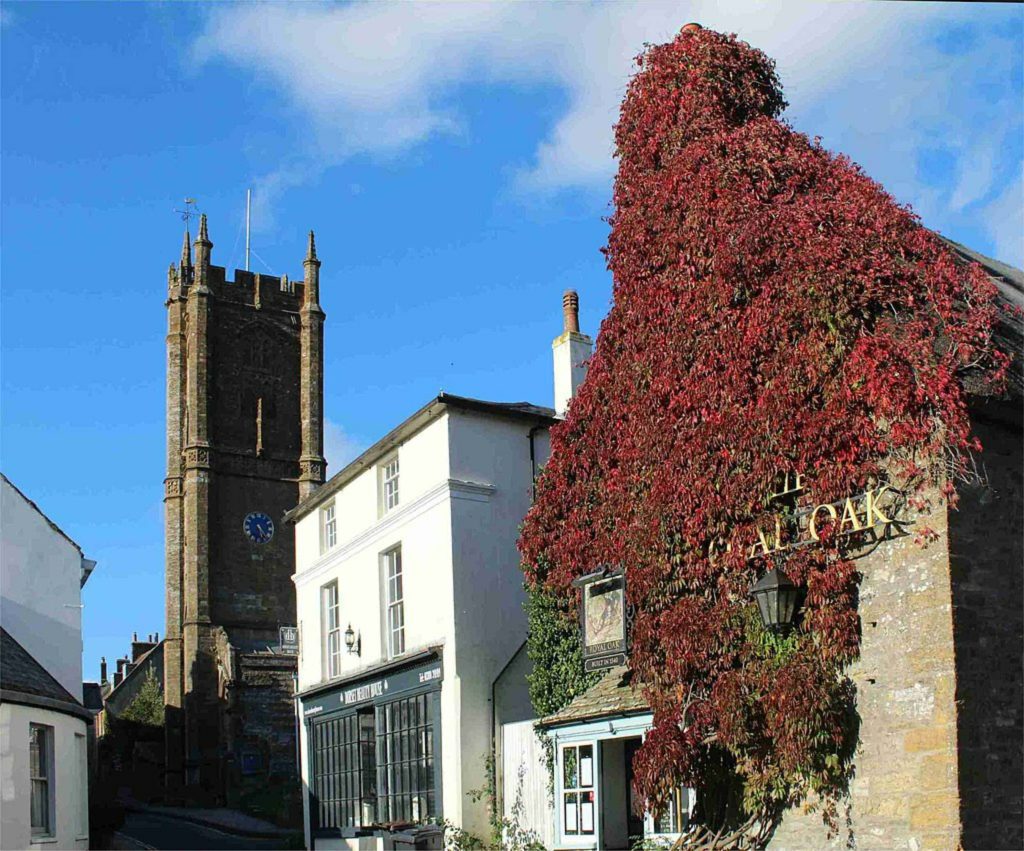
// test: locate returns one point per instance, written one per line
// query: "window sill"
(46, 839)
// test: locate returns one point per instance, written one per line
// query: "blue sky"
(455, 162)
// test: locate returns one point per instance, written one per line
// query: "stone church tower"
(244, 445)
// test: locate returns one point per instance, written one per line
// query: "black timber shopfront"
(374, 748)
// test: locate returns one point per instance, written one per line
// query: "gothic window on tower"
(388, 471)
(331, 630)
(395, 602)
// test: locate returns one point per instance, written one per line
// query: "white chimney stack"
(570, 351)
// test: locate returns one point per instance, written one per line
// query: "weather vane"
(189, 212)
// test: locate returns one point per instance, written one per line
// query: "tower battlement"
(250, 288)
(255, 289)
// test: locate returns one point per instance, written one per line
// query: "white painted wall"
(71, 815)
(421, 524)
(490, 623)
(40, 588)
(570, 352)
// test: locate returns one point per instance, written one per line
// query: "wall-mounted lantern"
(352, 641)
(776, 595)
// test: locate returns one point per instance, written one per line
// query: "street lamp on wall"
(775, 594)
(352, 641)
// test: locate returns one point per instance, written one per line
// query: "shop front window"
(405, 760)
(376, 766)
(578, 803)
(344, 771)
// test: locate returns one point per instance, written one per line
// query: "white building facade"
(43, 725)
(410, 603)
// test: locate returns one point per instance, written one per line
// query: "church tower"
(244, 445)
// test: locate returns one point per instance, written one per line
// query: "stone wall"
(266, 708)
(987, 566)
(904, 793)
(939, 681)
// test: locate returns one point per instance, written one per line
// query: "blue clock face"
(258, 527)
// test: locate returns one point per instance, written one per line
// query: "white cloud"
(381, 78)
(1004, 218)
(339, 446)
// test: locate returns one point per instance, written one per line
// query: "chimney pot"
(571, 312)
(135, 636)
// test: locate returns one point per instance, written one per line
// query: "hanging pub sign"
(603, 618)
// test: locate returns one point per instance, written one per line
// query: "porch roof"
(612, 695)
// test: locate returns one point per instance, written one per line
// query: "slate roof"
(1009, 333)
(612, 695)
(20, 672)
(408, 427)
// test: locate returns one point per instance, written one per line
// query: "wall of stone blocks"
(904, 793)
(986, 542)
(266, 705)
(940, 689)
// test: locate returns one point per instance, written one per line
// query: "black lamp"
(776, 600)
(351, 642)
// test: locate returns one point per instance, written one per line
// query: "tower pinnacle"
(186, 251)
(203, 235)
(311, 250)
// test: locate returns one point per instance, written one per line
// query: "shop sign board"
(375, 689)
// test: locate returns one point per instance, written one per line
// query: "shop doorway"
(620, 825)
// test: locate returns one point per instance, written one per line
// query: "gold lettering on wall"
(861, 513)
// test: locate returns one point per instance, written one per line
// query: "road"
(149, 830)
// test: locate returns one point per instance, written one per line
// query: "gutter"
(38, 701)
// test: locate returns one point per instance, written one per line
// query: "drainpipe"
(533, 461)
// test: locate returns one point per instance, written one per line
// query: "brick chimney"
(140, 648)
(570, 351)
(103, 669)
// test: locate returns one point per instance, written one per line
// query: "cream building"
(410, 604)
(43, 725)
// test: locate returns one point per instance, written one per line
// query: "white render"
(466, 482)
(70, 781)
(42, 573)
(570, 353)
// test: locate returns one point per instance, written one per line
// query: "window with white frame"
(675, 818)
(41, 774)
(81, 755)
(389, 484)
(328, 527)
(331, 621)
(395, 615)
(579, 805)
